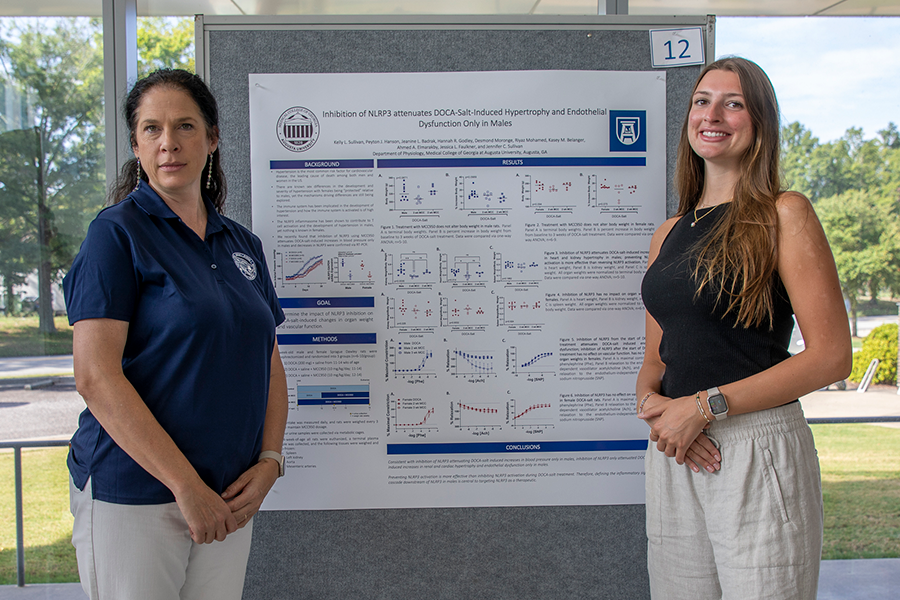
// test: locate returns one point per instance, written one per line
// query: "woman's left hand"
(246, 494)
(675, 424)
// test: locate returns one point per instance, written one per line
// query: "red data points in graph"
(414, 309)
(513, 305)
(490, 411)
(420, 423)
(550, 187)
(468, 310)
(531, 408)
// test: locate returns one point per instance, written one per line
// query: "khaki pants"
(128, 552)
(749, 531)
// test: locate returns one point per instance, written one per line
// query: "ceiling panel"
(474, 7)
(771, 8)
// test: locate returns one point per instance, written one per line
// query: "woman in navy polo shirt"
(174, 319)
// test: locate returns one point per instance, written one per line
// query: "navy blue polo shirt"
(202, 317)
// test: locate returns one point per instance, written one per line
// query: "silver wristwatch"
(277, 457)
(718, 407)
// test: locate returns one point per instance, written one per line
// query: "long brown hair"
(197, 89)
(738, 257)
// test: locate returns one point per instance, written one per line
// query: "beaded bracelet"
(644, 399)
(700, 408)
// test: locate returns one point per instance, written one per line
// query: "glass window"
(51, 177)
(165, 42)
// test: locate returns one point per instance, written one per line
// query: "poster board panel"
(550, 551)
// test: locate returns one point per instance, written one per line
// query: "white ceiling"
(447, 7)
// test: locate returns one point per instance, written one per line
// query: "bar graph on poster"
(459, 258)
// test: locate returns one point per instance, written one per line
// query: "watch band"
(718, 406)
(279, 458)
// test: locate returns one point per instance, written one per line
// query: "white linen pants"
(753, 529)
(128, 552)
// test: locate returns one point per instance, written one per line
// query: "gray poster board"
(561, 552)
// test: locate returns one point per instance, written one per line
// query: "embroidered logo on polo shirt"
(245, 264)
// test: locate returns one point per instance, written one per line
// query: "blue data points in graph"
(412, 193)
(468, 363)
(420, 367)
(467, 269)
(536, 359)
(520, 266)
(413, 266)
(476, 198)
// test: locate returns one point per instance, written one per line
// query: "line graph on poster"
(532, 416)
(411, 360)
(413, 417)
(533, 364)
(479, 417)
(293, 268)
(475, 366)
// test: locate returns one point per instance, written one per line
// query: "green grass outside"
(861, 487)
(49, 555)
(19, 336)
(860, 481)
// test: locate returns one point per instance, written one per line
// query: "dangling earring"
(136, 185)
(209, 173)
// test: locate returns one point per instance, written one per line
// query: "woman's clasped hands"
(677, 427)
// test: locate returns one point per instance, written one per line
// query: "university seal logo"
(245, 265)
(628, 131)
(298, 129)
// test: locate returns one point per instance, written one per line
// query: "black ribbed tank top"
(701, 347)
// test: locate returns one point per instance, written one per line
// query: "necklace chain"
(696, 218)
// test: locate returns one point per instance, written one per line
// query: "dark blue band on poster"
(348, 302)
(555, 161)
(322, 164)
(314, 339)
(515, 447)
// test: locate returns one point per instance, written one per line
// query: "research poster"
(459, 257)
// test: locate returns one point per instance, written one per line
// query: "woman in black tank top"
(742, 518)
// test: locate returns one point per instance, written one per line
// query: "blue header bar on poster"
(321, 164)
(518, 447)
(555, 161)
(324, 339)
(326, 303)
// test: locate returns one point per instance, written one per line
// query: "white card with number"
(676, 47)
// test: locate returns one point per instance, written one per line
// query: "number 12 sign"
(676, 47)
